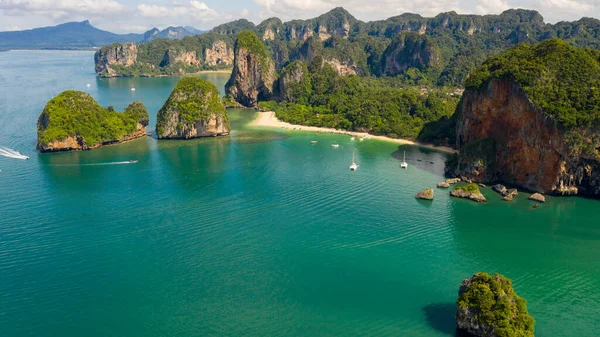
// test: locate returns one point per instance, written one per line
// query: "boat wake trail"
(6, 152)
(102, 164)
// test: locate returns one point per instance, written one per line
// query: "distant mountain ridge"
(82, 35)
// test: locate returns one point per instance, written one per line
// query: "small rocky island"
(74, 121)
(253, 72)
(469, 191)
(487, 306)
(194, 109)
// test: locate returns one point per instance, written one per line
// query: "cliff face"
(293, 80)
(176, 56)
(218, 54)
(504, 137)
(74, 121)
(253, 72)
(410, 50)
(194, 109)
(122, 54)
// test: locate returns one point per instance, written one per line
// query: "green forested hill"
(450, 43)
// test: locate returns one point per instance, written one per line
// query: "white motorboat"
(335, 145)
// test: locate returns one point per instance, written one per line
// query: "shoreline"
(268, 119)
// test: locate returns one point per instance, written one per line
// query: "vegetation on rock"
(77, 114)
(488, 306)
(470, 188)
(193, 100)
(564, 81)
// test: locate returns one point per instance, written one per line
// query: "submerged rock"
(487, 306)
(425, 194)
(508, 197)
(73, 121)
(194, 109)
(470, 191)
(537, 197)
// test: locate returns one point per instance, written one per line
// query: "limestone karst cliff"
(542, 135)
(165, 57)
(109, 59)
(73, 121)
(253, 72)
(194, 109)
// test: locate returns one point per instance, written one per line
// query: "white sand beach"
(268, 119)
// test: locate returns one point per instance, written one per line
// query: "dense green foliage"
(77, 114)
(495, 303)
(194, 99)
(471, 188)
(377, 105)
(561, 79)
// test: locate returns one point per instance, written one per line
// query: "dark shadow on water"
(422, 158)
(440, 316)
(425, 203)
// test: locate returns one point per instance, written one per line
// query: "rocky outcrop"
(187, 58)
(503, 136)
(118, 54)
(219, 53)
(73, 121)
(425, 194)
(487, 306)
(453, 180)
(294, 80)
(470, 191)
(344, 68)
(253, 72)
(537, 197)
(194, 109)
(410, 50)
(443, 184)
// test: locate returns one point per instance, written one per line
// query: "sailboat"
(404, 164)
(353, 167)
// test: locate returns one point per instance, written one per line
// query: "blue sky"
(137, 16)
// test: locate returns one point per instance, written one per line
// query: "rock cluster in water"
(470, 191)
(194, 109)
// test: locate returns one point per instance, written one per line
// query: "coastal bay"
(259, 233)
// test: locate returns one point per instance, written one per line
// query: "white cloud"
(10, 28)
(61, 8)
(491, 6)
(244, 12)
(193, 9)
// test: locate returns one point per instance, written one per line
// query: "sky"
(130, 16)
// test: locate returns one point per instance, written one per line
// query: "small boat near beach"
(132, 89)
(404, 164)
(335, 145)
(313, 142)
(353, 167)
(353, 138)
(133, 161)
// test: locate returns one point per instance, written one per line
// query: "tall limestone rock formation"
(194, 109)
(253, 72)
(529, 118)
(294, 83)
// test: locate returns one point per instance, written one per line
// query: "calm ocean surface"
(258, 234)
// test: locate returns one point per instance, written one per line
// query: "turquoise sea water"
(258, 234)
